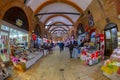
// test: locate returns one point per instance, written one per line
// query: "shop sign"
(19, 22)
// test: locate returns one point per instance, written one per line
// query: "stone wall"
(100, 13)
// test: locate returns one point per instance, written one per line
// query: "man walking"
(71, 46)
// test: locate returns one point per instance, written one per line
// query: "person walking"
(71, 46)
(61, 46)
(75, 51)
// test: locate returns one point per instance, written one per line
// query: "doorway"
(110, 32)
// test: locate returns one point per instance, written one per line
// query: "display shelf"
(4, 47)
(32, 61)
(26, 59)
(111, 67)
(91, 56)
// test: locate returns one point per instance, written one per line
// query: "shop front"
(110, 32)
(111, 66)
(15, 25)
(14, 38)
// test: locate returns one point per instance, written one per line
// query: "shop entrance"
(110, 38)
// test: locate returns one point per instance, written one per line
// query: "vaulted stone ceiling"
(58, 16)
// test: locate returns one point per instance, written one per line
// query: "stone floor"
(58, 66)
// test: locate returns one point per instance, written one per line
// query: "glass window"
(107, 33)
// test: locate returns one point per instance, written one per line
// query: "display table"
(33, 60)
(25, 63)
(90, 56)
(111, 67)
(30, 62)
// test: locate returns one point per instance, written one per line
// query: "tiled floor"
(58, 66)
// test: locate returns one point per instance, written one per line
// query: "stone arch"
(18, 4)
(57, 23)
(58, 15)
(15, 14)
(39, 8)
(58, 27)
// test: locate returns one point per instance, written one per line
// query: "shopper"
(61, 46)
(71, 46)
(75, 51)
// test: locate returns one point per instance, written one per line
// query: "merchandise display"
(91, 56)
(18, 38)
(111, 67)
(26, 58)
(11, 38)
(93, 52)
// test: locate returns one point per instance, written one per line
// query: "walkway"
(58, 66)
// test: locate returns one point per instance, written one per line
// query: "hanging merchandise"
(101, 37)
(90, 53)
(34, 37)
(86, 28)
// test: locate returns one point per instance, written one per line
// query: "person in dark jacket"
(71, 46)
(61, 45)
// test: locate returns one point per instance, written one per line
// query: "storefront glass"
(111, 40)
(11, 36)
(114, 38)
(18, 38)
